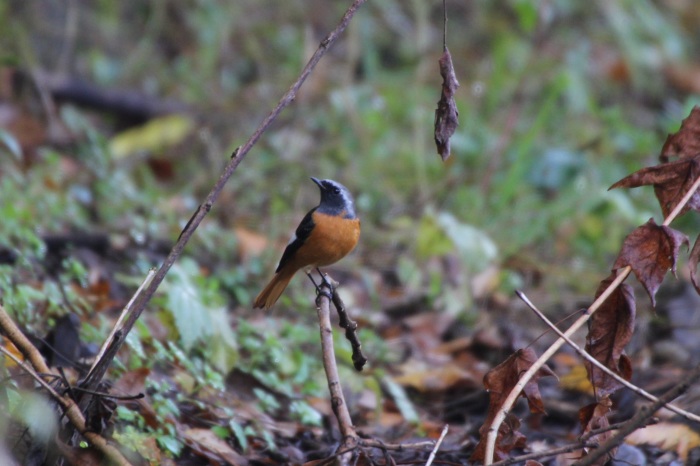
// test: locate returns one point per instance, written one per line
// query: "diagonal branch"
(15, 335)
(144, 297)
(638, 390)
(639, 419)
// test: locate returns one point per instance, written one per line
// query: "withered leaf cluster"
(446, 114)
(500, 381)
(672, 179)
(651, 251)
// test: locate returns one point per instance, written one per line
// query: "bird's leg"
(324, 281)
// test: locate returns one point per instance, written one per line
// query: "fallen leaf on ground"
(204, 442)
(679, 438)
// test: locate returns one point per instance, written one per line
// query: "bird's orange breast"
(331, 239)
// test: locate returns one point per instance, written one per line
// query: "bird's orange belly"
(331, 239)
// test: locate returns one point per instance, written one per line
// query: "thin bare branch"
(117, 325)
(638, 390)
(145, 296)
(71, 410)
(338, 404)
(640, 419)
(437, 445)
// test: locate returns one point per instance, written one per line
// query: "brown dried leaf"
(446, 114)
(500, 381)
(671, 182)
(593, 417)
(206, 444)
(509, 437)
(686, 142)
(651, 250)
(610, 330)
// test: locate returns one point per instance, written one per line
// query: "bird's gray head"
(335, 199)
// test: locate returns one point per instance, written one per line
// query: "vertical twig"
(340, 408)
(444, 25)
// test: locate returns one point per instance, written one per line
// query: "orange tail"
(271, 293)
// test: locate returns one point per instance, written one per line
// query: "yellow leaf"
(577, 380)
(667, 436)
(155, 135)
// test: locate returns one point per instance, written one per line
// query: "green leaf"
(192, 318)
(406, 408)
(9, 141)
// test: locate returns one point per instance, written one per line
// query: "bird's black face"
(335, 199)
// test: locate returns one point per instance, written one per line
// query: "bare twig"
(437, 445)
(373, 443)
(340, 408)
(145, 296)
(358, 358)
(15, 335)
(640, 418)
(444, 25)
(117, 325)
(70, 409)
(638, 390)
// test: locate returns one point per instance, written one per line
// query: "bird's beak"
(318, 182)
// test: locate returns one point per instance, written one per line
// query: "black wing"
(301, 234)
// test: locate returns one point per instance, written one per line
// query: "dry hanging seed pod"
(446, 114)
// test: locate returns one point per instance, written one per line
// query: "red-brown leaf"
(446, 114)
(693, 261)
(593, 417)
(686, 142)
(651, 250)
(500, 381)
(610, 330)
(671, 182)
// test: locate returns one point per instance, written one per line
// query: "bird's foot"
(325, 287)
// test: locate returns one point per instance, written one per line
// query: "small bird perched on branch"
(326, 234)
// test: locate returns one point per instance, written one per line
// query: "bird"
(326, 234)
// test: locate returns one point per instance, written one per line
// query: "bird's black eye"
(336, 190)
